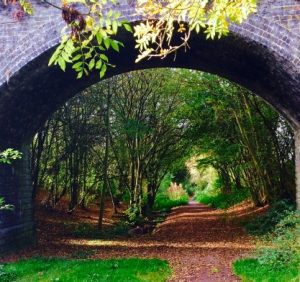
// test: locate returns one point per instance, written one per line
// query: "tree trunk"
(105, 162)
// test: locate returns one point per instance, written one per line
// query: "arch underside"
(33, 93)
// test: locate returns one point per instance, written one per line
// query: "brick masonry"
(263, 55)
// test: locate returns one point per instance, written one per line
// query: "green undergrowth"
(214, 198)
(267, 223)
(89, 231)
(163, 202)
(54, 269)
(170, 195)
(277, 256)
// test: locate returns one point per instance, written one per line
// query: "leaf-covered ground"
(200, 243)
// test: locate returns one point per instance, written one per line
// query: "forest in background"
(130, 136)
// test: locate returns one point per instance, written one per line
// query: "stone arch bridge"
(263, 54)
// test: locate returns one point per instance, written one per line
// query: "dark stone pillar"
(17, 228)
(297, 157)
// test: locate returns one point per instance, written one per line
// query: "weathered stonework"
(297, 158)
(263, 55)
(17, 227)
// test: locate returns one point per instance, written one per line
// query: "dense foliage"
(122, 137)
(267, 223)
(117, 138)
(170, 195)
(247, 142)
(212, 195)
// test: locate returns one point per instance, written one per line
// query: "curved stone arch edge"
(270, 34)
(236, 31)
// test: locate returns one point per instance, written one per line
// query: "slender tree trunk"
(105, 162)
(112, 198)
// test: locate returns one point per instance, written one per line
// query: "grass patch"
(54, 269)
(251, 270)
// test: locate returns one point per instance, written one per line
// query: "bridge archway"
(261, 55)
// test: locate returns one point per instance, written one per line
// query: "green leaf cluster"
(9, 155)
(85, 50)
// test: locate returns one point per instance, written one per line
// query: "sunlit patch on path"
(199, 242)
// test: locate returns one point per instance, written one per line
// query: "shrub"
(134, 216)
(219, 200)
(163, 202)
(170, 195)
(175, 192)
(267, 223)
(285, 248)
(203, 185)
(165, 183)
(191, 188)
(120, 229)
(280, 260)
(86, 230)
(126, 197)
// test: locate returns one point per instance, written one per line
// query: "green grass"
(164, 203)
(222, 201)
(250, 270)
(54, 269)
